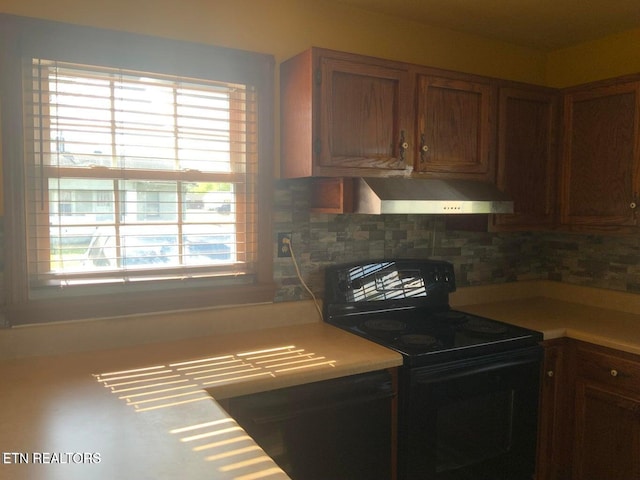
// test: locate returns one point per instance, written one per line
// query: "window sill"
(109, 305)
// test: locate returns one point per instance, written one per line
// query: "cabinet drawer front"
(608, 369)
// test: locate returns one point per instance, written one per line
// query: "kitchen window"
(145, 173)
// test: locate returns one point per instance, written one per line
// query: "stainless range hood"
(375, 195)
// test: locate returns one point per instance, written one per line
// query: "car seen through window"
(153, 247)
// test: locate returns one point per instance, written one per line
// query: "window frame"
(45, 165)
(26, 38)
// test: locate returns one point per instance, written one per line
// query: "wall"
(286, 27)
(608, 57)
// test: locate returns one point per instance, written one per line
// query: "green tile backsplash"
(601, 261)
(322, 239)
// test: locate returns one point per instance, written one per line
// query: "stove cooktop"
(403, 304)
(425, 338)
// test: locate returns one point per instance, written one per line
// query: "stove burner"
(452, 316)
(385, 325)
(482, 327)
(416, 339)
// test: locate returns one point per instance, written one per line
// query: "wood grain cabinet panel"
(454, 127)
(344, 115)
(362, 123)
(601, 156)
(347, 115)
(606, 430)
(608, 368)
(589, 424)
(552, 463)
(607, 434)
(527, 156)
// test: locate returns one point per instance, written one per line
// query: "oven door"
(472, 419)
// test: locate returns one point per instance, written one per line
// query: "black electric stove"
(468, 387)
(404, 305)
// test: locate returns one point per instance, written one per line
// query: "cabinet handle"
(614, 372)
(550, 373)
(403, 145)
(633, 205)
(423, 148)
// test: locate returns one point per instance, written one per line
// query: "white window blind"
(134, 176)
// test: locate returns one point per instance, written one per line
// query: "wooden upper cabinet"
(527, 156)
(454, 127)
(363, 116)
(344, 115)
(600, 177)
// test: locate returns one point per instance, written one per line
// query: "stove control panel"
(442, 275)
(395, 280)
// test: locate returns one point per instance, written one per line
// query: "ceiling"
(541, 24)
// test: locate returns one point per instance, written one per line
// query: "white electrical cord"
(287, 241)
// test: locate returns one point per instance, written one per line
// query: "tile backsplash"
(601, 261)
(322, 239)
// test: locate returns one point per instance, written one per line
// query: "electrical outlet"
(283, 248)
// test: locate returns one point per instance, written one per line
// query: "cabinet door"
(607, 435)
(600, 160)
(552, 461)
(454, 127)
(526, 167)
(364, 117)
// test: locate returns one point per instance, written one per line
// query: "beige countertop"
(603, 317)
(557, 318)
(147, 411)
(134, 398)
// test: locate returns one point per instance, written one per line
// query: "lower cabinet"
(607, 433)
(552, 455)
(590, 422)
(607, 414)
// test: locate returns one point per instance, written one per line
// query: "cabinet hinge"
(318, 76)
(317, 146)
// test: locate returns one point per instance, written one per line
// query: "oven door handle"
(466, 367)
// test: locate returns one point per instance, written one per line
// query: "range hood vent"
(377, 195)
